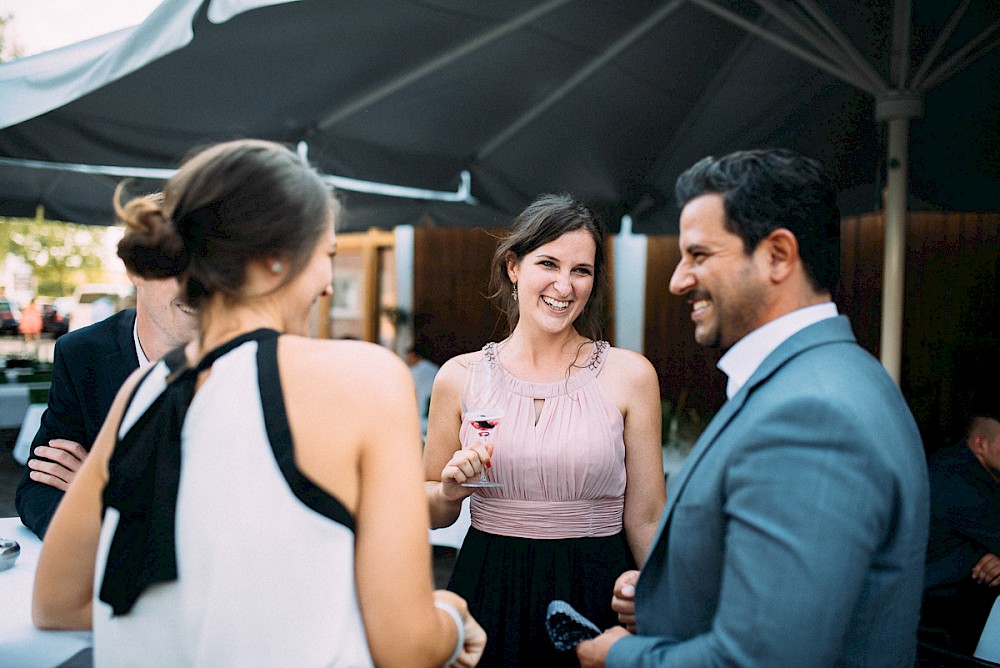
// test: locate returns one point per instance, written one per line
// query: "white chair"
(989, 643)
(453, 536)
(29, 427)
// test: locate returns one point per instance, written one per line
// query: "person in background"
(89, 365)
(795, 533)
(423, 370)
(30, 324)
(963, 549)
(247, 501)
(578, 449)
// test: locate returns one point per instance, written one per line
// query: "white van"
(94, 302)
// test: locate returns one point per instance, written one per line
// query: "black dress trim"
(279, 434)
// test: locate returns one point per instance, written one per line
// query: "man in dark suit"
(963, 550)
(89, 366)
(794, 535)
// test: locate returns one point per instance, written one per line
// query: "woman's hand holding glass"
(482, 413)
(465, 465)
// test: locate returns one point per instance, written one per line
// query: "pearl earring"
(276, 267)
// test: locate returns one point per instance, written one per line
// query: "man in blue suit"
(89, 366)
(795, 533)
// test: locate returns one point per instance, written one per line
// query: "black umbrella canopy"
(608, 101)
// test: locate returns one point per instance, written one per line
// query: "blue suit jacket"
(89, 366)
(795, 533)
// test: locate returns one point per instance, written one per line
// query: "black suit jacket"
(89, 366)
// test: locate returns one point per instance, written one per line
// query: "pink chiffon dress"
(554, 530)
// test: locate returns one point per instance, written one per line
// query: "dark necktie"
(143, 476)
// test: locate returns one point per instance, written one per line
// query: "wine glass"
(480, 410)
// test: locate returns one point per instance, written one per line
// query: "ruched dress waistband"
(548, 519)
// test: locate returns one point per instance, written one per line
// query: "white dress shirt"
(742, 359)
(143, 360)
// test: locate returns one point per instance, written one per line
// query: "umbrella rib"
(946, 33)
(579, 77)
(963, 57)
(865, 68)
(899, 67)
(342, 182)
(431, 66)
(813, 36)
(694, 113)
(854, 78)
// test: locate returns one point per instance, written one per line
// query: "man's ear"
(977, 443)
(782, 253)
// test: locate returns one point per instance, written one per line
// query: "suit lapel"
(825, 331)
(120, 363)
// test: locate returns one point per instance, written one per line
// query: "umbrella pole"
(894, 259)
(896, 108)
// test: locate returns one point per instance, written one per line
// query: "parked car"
(54, 320)
(93, 302)
(10, 317)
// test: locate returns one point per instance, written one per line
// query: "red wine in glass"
(476, 399)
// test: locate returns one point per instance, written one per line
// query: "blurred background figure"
(963, 549)
(423, 370)
(30, 325)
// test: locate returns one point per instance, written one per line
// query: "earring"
(276, 267)
(513, 292)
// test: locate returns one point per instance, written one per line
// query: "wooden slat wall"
(950, 330)
(687, 371)
(450, 278)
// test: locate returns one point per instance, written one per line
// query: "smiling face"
(554, 281)
(170, 320)
(300, 295)
(724, 286)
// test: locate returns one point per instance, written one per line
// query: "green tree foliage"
(9, 49)
(63, 255)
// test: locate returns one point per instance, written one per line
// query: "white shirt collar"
(742, 359)
(143, 360)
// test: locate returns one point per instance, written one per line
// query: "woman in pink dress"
(577, 450)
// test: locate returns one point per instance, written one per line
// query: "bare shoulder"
(453, 371)
(630, 379)
(629, 364)
(333, 358)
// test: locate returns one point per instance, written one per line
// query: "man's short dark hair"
(769, 189)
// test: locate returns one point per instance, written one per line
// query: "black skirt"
(509, 582)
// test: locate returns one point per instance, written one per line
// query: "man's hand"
(987, 571)
(623, 601)
(594, 653)
(66, 458)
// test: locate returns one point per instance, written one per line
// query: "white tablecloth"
(21, 644)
